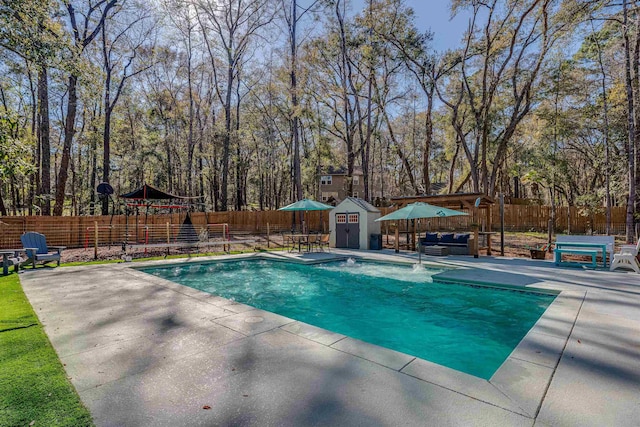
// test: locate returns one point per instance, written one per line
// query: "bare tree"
(415, 51)
(350, 99)
(291, 17)
(183, 17)
(122, 43)
(605, 130)
(234, 24)
(631, 125)
(501, 58)
(28, 30)
(83, 33)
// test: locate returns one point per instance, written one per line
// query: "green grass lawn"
(34, 389)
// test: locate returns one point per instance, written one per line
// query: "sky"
(434, 15)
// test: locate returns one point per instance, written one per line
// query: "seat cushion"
(461, 238)
(431, 238)
(447, 238)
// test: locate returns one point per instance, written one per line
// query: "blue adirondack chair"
(35, 245)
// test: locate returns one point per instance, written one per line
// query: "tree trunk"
(190, 144)
(401, 155)
(428, 139)
(15, 202)
(240, 199)
(227, 138)
(630, 128)
(203, 207)
(106, 159)
(34, 179)
(366, 151)
(82, 38)
(94, 171)
(69, 132)
(636, 101)
(44, 137)
(453, 165)
(295, 124)
(605, 116)
(347, 109)
(3, 209)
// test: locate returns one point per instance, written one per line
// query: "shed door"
(348, 230)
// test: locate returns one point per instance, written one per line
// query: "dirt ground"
(516, 245)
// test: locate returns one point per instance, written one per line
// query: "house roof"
(341, 170)
(437, 187)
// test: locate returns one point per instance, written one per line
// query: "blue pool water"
(469, 328)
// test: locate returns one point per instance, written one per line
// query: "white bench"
(584, 245)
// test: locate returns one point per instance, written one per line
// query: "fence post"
(397, 238)
(489, 230)
(225, 232)
(168, 237)
(268, 241)
(95, 243)
(475, 240)
(501, 224)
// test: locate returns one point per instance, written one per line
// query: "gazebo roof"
(454, 201)
(147, 192)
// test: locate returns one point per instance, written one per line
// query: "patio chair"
(323, 242)
(627, 258)
(35, 245)
(313, 241)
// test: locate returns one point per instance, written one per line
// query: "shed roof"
(361, 203)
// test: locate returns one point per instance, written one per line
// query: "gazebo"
(479, 206)
(148, 197)
(148, 193)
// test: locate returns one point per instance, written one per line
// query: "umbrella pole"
(419, 245)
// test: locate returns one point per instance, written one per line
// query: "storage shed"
(352, 223)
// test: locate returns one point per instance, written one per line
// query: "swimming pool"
(469, 328)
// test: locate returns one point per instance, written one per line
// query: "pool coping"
(538, 353)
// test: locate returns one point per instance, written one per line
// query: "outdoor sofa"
(458, 244)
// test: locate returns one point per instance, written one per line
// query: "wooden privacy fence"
(72, 231)
(569, 220)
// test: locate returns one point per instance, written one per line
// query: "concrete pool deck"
(141, 350)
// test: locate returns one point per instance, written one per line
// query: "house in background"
(334, 183)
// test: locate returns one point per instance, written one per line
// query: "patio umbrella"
(419, 210)
(306, 205)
